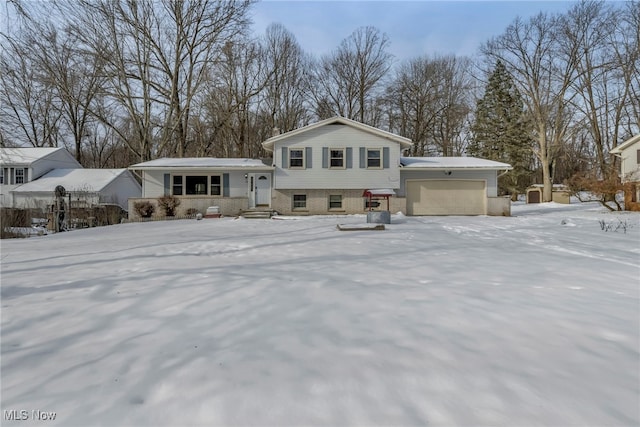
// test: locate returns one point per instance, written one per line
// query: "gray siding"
(337, 136)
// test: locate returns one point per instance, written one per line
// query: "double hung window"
(336, 158)
(299, 201)
(296, 158)
(374, 158)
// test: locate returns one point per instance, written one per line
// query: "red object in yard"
(378, 194)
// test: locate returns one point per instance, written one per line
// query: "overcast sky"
(414, 28)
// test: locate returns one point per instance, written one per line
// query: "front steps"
(259, 213)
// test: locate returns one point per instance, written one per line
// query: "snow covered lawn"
(527, 320)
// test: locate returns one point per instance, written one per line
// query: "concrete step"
(257, 214)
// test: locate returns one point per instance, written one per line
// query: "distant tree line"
(118, 82)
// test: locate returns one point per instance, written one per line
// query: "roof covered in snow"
(93, 180)
(452, 163)
(25, 155)
(200, 162)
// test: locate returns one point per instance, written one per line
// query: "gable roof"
(452, 163)
(404, 142)
(628, 143)
(25, 156)
(201, 162)
(92, 180)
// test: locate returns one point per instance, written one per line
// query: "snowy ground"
(528, 320)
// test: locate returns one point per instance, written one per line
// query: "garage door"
(446, 197)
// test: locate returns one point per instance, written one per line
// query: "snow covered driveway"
(527, 320)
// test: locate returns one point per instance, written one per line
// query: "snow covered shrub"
(144, 208)
(169, 204)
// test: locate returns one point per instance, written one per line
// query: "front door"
(263, 190)
(259, 190)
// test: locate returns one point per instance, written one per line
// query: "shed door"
(446, 197)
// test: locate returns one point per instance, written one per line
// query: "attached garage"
(452, 186)
(446, 197)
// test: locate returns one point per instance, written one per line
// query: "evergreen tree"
(502, 132)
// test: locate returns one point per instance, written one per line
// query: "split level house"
(629, 154)
(29, 177)
(325, 168)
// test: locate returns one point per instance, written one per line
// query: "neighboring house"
(629, 154)
(231, 184)
(325, 168)
(19, 166)
(84, 188)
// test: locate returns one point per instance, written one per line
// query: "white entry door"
(263, 189)
(259, 189)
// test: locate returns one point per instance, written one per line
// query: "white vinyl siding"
(318, 142)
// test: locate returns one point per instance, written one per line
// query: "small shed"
(559, 194)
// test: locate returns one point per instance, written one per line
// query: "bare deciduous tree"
(430, 99)
(544, 73)
(348, 80)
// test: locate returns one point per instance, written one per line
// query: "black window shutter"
(363, 159)
(325, 157)
(285, 163)
(349, 157)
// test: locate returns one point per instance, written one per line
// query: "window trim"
(290, 157)
(338, 208)
(380, 154)
(211, 185)
(19, 174)
(293, 202)
(343, 158)
(208, 185)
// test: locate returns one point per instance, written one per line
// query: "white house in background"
(231, 184)
(325, 168)
(629, 154)
(19, 166)
(84, 187)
